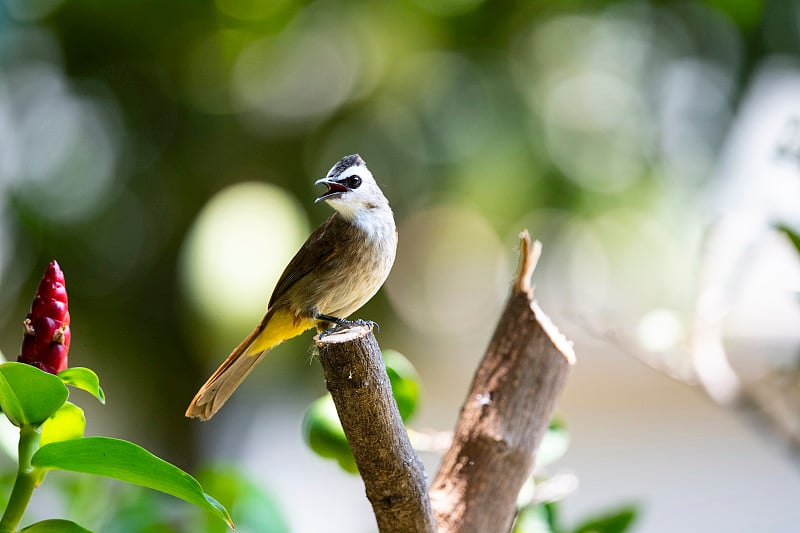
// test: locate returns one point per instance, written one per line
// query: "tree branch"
(393, 474)
(505, 415)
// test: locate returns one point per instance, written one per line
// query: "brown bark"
(393, 474)
(505, 415)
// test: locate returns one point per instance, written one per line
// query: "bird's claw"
(369, 323)
(347, 324)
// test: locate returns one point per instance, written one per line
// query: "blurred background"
(165, 152)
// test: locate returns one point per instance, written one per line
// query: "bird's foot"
(369, 323)
(341, 324)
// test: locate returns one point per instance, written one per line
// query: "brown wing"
(318, 248)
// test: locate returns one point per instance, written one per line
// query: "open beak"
(335, 189)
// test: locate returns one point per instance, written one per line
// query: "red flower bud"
(47, 335)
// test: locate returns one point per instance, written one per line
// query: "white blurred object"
(659, 330)
(9, 438)
(749, 273)
(756, 174)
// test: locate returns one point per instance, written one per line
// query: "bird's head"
(351, 188)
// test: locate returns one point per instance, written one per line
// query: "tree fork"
(502, 421)
(505, 414)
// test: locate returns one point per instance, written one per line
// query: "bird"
(340, 267)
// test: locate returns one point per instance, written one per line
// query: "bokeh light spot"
(596, 131)
(64, 145)
(236, 250)
(296, 76)
(450, 274)
(31, 10)
(659, 330)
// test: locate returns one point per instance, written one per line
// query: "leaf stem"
(26, 479)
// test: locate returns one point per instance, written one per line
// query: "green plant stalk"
(26, 481)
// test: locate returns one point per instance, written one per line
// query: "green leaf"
(323, 431)
(793, 235)
(84, 379)
(55, 526)
(617, 521)
(123, 460)
(67, 423)
(552, 510)
(324, 434)
(406, 383)
(28, 396)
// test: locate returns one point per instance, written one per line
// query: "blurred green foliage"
(323, 431)
(791, 234)
(406, 383)
(539, 507)
(543, 515)
(50, 437)
(324, 434)
(617, 521)
(128, 117)
(254, 508)
(543, 518)
(120, 121)
(109, 506)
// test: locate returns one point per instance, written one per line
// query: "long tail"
(273, 329)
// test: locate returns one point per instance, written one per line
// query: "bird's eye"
(352, 182)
